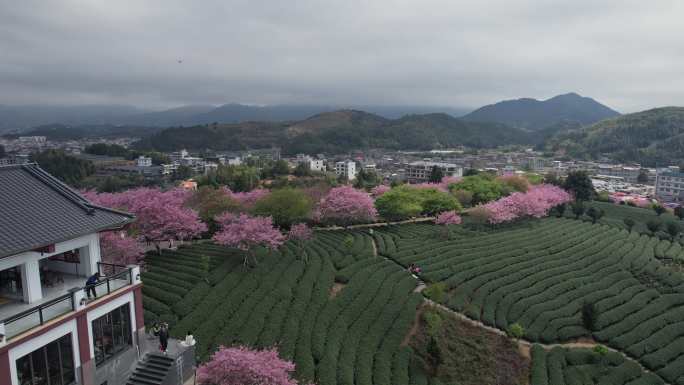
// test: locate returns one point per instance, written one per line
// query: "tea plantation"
(540, 273)
(352, 337)
(343, 316)
(583, 366)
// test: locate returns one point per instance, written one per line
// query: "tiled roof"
(37, 210)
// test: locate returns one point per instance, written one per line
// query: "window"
(53, 364)
(111, 334)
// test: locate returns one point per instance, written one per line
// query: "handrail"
(114, 267)
(110, 264)
(69, 296)
(37, 308)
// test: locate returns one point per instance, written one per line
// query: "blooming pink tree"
(247, 233)
(447, 219)
(249, 198)
(535, 203)
(119, 248)
(300, 233)
(379, 190)
(437, 186)
(243, 366)
(345, 206)
(160, 215)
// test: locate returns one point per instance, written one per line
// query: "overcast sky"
(627, 54)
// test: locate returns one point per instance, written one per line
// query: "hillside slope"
(532, 114)
(340, 131)
(650, 137)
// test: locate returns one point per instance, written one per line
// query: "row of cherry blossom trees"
(182, 215)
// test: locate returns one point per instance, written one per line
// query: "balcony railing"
(56, 307)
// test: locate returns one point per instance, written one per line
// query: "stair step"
(159, 357)
(150, 376)
(145, 381)
(157, 366)
(150, 370)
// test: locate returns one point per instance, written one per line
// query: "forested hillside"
(653, 137)
(340, 131)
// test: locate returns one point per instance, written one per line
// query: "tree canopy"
(483, 187)
(580, 185)
(287, 206)
(69, 169)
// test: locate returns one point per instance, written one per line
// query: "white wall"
(90, 255)
(27, 347)
(92, 241)
(104, 309)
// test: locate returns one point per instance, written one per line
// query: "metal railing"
(105, 268)
(40, 314)
(113, 282)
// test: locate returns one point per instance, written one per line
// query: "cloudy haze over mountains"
(162, 54)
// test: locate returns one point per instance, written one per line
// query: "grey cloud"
(415, 52)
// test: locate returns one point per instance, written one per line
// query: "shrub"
(600, 350)
(629, 223)
(654, 225)
(589, 316)
(516, 331)
(436, 292)
(433, 321)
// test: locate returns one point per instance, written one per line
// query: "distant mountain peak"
(533, 114)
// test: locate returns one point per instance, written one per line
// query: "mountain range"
(555, 114)
(560, 112)
(339, 131)
(19, 119)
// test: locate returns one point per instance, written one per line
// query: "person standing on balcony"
(90, 284)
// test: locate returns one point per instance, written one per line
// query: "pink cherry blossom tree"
(247, 233)
(446, 220)
(535, 203)
(243, 366)
(249, 198)
(119, 248)
(379, 190)
(345, 206)
(160, 215)
(300, 234)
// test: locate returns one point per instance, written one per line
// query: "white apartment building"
(313, 164)
(419, 172)
(346, 169)
(144, 161)
(670, 185)
(536, 163)
(628, 174)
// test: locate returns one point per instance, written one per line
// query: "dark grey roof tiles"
(37, 210)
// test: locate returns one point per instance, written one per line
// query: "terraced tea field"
(539, 275)
(344, 316)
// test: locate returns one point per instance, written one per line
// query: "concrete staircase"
(152, 370)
